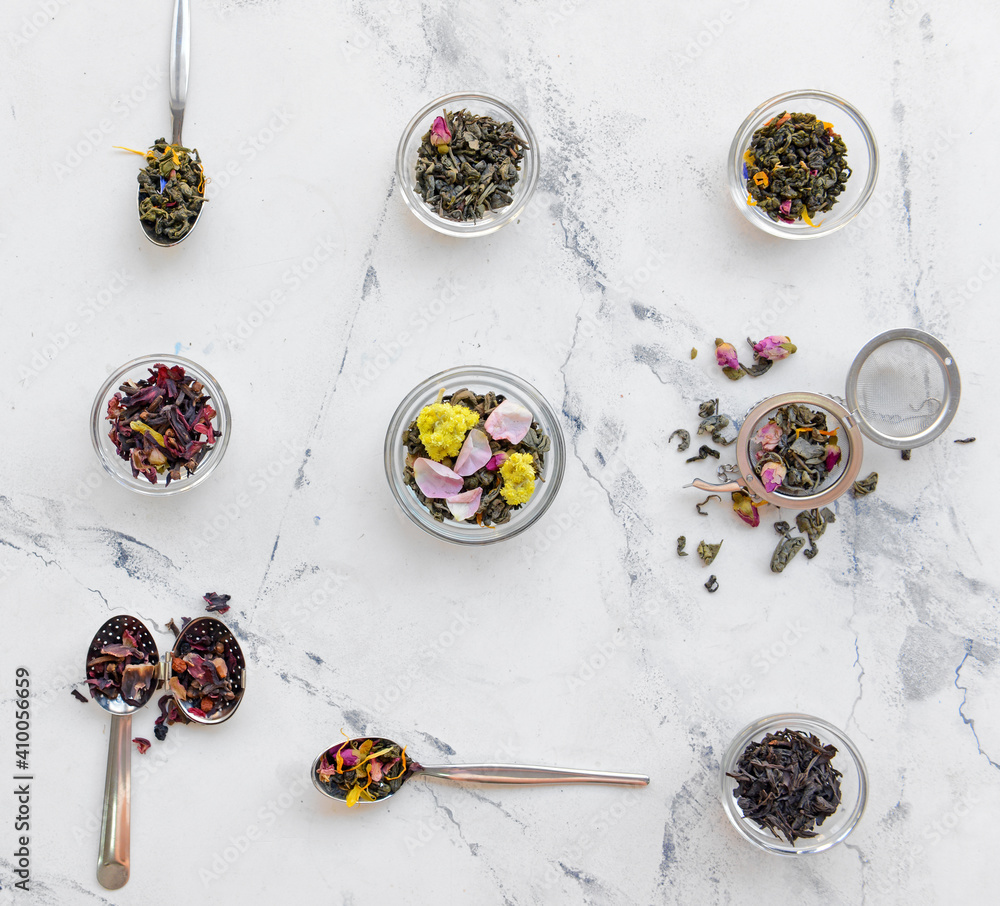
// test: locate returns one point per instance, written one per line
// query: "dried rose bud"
(772, 475)
(746, 509)
(725, 354)
(441, 135)
(774, 348)
(833, 455)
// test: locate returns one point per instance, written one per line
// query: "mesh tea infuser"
(902, 392)
(113, 864)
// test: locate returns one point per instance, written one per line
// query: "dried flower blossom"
(745, 507)
(725, 354)
(833, 454)
(441, 135)
(509, 421)
(774, 348)
(443, 428)
(475, 453)
(518, 478)
(496, 461)
(464, 506)
(142, 744)
(772, 474)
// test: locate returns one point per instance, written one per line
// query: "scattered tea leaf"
(79, 696)
(787, 548)
(681, 542)
(708, 552)
(865, 486)
(216, 603)
(905, 455)
(708, 408)
(142, 744)
(694, 353)
(685, 439)
(698, 506)
(712, 584)
(966, 440)
(703, 453)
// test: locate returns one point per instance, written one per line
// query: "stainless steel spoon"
(215, 632)
(113, 859)
(487, 773)
(180, 59)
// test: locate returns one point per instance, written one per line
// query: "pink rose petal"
(464, 506)
(475, 453)
(436, 480)
(509, 421)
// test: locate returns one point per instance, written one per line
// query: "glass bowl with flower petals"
(853, 785)
(480, 105)
(862, 158)
(121, 469)
(479, 379)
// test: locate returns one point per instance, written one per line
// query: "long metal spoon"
(113, 859)
(180, 61)
(487, 773)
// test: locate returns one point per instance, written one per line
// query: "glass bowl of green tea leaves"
(802, 165)
(467, 164)
(793, 784)
(474, 455)
(160, 424)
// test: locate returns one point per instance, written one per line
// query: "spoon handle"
(113, 861)
(180, 56)
(528, 773)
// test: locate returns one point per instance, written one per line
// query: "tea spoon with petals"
(479, 773)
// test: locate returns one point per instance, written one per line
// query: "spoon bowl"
(476, 773)
(180, 59)
(114, 856)
(209, 634)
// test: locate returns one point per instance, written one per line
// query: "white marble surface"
(586, 641)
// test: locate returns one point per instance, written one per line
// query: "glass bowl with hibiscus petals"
(467, 164)
(474, 455)
(802, 164)
(160, 424)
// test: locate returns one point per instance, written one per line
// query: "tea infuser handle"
(528, 773)
(180, 56)
(113, 861)
(727, 487)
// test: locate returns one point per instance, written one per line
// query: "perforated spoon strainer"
(903, 391)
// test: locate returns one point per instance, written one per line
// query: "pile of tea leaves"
(474, 456)
(795, 167)
(467, 165)
(171, 190)
(786, 783)
(364, 770)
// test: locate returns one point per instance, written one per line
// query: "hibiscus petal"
(475, 453)
(509, 421)
(436, 480)
(465, 505)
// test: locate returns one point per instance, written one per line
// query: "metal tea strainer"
(902, 392)
(113, 864)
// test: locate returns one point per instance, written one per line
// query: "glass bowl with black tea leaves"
(802, 164)
(467, 164)
(474, 455)
(160, 425)
(793, 784)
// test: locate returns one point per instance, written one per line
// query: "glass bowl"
(120, 469)
(481, 105)
(862, 157)
(853, 785)
(479, 379)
